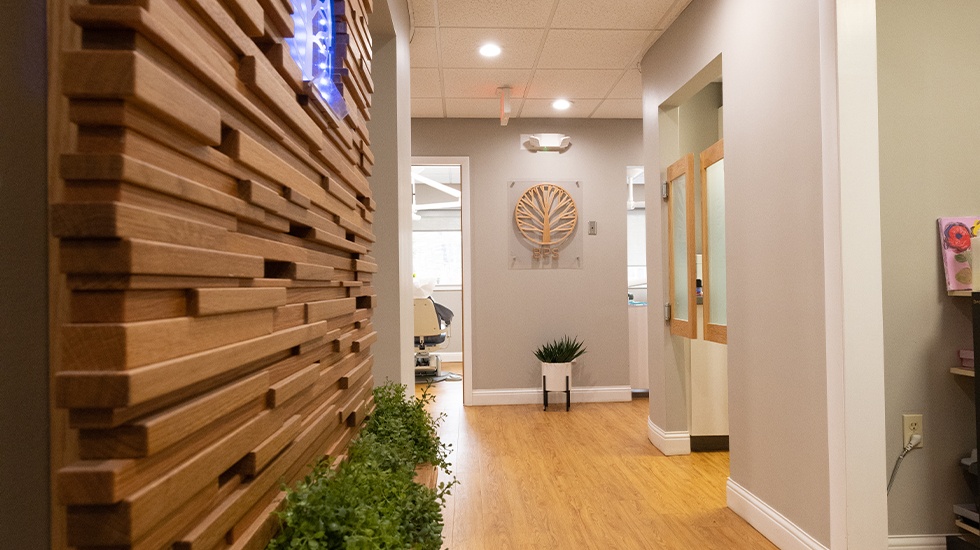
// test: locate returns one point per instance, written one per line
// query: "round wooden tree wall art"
(546, 216)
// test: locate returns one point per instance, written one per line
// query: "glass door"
(680, 236)
(713, 243)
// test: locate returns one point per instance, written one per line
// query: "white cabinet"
(709, 386)
(639, 368)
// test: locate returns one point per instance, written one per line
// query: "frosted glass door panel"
(716, 242)
(713, 236)
(680, 236)
(678, 205)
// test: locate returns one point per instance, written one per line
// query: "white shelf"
(960, 371)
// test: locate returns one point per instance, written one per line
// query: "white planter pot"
(555, 374)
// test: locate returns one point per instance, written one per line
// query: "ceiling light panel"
(489, 50)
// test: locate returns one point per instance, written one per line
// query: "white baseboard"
(532, 396)
(773, 525)
(917, 542)
(669, 443)
(450, 356)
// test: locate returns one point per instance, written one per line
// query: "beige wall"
(390, 128)
(777, 361)
(24, 490)
(698, 128)
(929, 74)
(514, 311)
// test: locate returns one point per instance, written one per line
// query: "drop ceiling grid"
(584, 50)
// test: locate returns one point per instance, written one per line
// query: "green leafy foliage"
(405, 425)
(564, 350)
(371, 500)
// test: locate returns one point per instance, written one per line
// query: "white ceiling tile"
(519, 47)
(424, 50)
(629, 87)
(610, 14)
(425, 83)
(620, 108)
(427, 108)
(591, 49)
(423, 13)
(541, 108)
(483, 83)
(673, 13)
(495, 13)
(478, 108)
(572, 83)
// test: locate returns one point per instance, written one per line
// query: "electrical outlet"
(911, 424)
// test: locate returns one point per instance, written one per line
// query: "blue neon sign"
(314, 46)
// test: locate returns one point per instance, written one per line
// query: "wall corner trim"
(768, 521)
(917, 542)
(669, 443)
(532, 396)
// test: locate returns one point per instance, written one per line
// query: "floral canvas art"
(954, 236)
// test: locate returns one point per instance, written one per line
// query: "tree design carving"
(546, 215)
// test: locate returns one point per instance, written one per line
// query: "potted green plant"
(556, 363)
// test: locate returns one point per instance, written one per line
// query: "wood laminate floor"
(583, 479)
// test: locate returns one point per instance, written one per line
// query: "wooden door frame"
(712, 332)
(686, 328)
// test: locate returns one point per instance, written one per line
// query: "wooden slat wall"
(215, 231)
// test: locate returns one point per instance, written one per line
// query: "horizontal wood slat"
(130, 75)
(213, 301)
(215, 231)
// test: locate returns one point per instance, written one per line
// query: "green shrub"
(404, 424)
(371, 500)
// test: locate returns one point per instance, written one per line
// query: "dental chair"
(432, 322)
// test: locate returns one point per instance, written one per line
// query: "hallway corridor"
(584, 479)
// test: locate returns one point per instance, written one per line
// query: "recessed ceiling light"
(561, 104)
(489, 50)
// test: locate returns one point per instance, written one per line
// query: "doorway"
(692, 125)
(441, 268)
